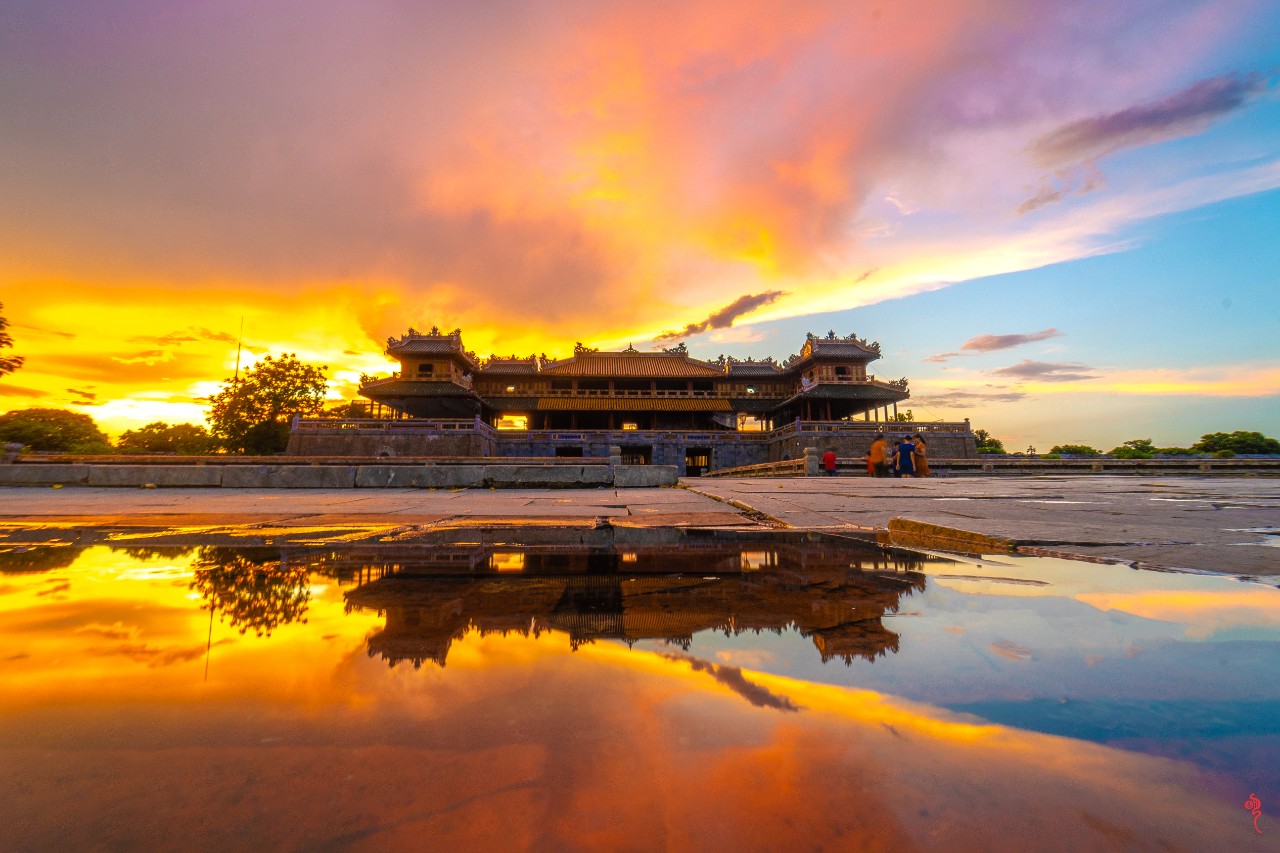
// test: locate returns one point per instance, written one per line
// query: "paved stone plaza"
(1216, 524)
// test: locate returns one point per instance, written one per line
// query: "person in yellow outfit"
(877, 461)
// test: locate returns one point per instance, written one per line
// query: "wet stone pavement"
(1213, 524)
(732, 665)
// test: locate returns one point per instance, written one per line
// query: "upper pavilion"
(628, 389)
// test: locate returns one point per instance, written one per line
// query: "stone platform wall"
(358, 442)
(856, 445)
(239, 476)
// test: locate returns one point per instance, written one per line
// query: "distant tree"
(905, 417)
(251, 414)
(160, 437)
(1175, 451)
(1134, 448)
(1074, 450)
(352, 409)
(53, 430)
(38, 558)
(1237, 442)
(8, 364)
(987, 443)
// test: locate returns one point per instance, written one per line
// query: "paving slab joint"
(906, 533)
(747, 510)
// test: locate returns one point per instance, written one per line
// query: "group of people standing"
(909, 458)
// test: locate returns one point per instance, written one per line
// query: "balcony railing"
(624, 393)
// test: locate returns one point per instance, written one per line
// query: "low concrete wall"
(239, 476)
(155, 475)
(289, 477)
(1030, 467)
(44, 475)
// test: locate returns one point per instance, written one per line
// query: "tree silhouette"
(252, 588)
(160, 437)
(8, 364)
(251, 413)
(56, 430)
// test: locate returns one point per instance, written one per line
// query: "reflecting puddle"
(625, 695)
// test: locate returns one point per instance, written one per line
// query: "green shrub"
(1075, 450)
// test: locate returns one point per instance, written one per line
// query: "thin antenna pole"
(239, 345)
(208, 647)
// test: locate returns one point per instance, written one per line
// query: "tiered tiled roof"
(640, 365)
(752, 368)
(435, 343)
(511, 364)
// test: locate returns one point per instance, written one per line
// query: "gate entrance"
(696, 460)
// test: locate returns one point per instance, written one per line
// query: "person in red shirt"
(829, 462)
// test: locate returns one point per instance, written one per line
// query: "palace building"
(660, 407)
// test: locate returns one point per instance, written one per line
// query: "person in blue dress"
(906, 462)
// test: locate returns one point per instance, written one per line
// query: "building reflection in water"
(830, 593)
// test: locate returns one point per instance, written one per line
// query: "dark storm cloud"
(724, 318)
(731, 677)
(1186, 112)
(1045, 371)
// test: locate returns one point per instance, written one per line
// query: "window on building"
(514, 422)
(426, 369)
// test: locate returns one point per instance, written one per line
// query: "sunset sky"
(1060, 219)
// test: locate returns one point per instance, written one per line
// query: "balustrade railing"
(629, 436)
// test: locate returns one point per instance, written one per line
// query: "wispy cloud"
(7, 390)
(724, 318)
(1188, 111)
(1044, 371)
(191, 335)
(731, 677)
(954, 397)
(993, 343)
(1227, 380)
(42, 331)
(150, 356)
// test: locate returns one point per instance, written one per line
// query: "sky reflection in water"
(485, 698)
